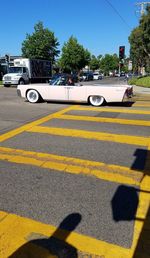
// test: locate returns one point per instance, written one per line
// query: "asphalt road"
(107, 203)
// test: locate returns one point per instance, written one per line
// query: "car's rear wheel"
(33, 96)
(96, 100)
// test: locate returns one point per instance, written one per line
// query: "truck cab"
(16, 75)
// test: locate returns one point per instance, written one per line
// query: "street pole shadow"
(141, 156)
(143, 246)
(56, 245)
(125, 203)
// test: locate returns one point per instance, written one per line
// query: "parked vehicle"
(27, 70)
(96, 95)
(97, 76)
(86, 76)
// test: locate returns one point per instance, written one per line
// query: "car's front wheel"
(96, 100)
(33, 96)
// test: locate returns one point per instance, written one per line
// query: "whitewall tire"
(96, 100)
(33, 96)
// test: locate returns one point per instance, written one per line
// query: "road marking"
(105, 120)
(118, 110)
(141, 104)
(113, 173)
(16, 231)
(99, 136)
(23, 128)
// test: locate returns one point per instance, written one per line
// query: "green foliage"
(144, 81)
(136, 50)
(132, 81)
(140, 43)
(74, 57)
(145, 27)
(42, 44)
(94, 63)
(109, 63)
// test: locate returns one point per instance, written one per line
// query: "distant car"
(122, 74)
(117, 74)
(97, 76)
(96, 95)
(86, 76)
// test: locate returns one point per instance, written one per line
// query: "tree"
(139, 40)
(145, 29)
(74, 57)
(42, 44)
(137, 53)
(94, 63)
(109, 63)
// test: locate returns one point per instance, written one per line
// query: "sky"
(101, 26)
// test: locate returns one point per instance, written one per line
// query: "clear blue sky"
(101, 26)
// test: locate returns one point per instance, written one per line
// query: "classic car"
(58, 90)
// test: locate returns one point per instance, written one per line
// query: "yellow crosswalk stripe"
(17, 233)
(23, 128)
(105, 120)
(115, 110)
(119, 138)
(109, 172)
(142, 104)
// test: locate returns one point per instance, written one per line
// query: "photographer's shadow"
(54, 246)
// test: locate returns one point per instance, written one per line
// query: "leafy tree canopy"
(74, 57)
(139, 40)
(109, 63)
(94, 63)
(42, 44)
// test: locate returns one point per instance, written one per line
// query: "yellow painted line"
(115, 110)
(16, 231)
(119, 138)
(105, 120)
(147, 162)
(113, 173)
(23, 128)
(144, 104)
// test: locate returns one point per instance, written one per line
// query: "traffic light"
(7, 58)
(121, 52)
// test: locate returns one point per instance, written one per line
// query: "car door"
(76, 93)
(57, 92)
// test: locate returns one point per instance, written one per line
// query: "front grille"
(7, 78)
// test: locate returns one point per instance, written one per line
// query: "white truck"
(26, 71)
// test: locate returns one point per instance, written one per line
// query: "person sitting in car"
(70, 81)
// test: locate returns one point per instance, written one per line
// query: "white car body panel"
(79, 93)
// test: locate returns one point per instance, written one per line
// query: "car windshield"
(15, 69)
(59, 81)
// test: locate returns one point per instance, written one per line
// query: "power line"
(115, 10)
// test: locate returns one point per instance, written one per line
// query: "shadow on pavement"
(55, 246)
(143, 246)
(125, 204)
(140, 160)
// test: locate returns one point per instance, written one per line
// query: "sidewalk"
(142, 90)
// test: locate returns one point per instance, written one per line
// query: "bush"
(142, 81)
(132, 81)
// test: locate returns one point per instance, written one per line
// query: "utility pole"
(142, 7)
